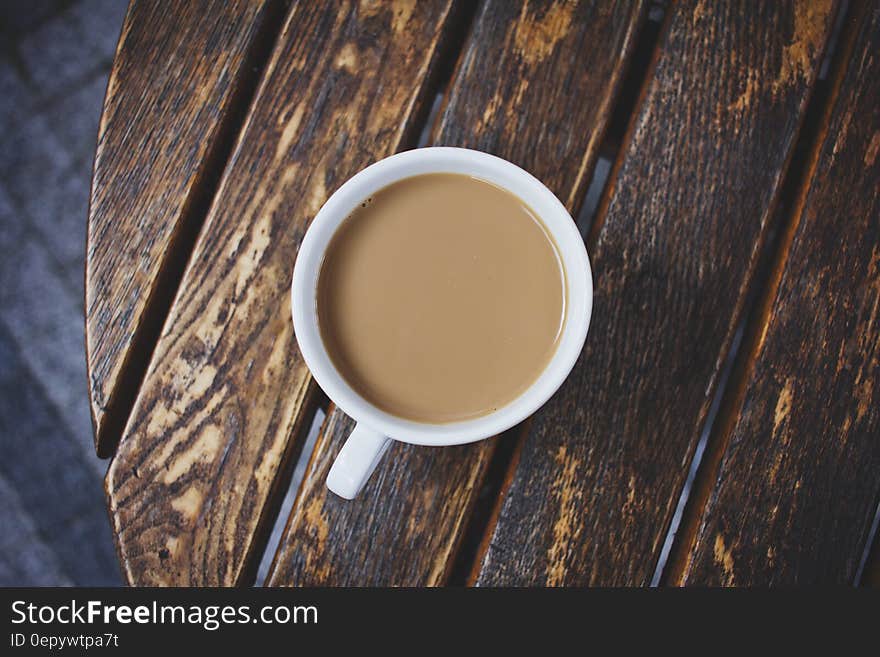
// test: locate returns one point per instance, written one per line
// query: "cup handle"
(356, 461)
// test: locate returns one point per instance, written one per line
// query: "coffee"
(441, 298)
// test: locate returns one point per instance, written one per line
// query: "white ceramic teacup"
(375, 428)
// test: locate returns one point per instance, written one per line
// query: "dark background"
(54, 63)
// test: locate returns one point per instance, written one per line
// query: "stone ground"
(55, 56)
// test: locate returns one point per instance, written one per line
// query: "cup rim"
(442, 159)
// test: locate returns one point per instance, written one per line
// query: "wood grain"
(799, 481)
(534, 84)
(214, 426)
(674, 249)
(180, 74)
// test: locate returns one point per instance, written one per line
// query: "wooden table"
(736, 252)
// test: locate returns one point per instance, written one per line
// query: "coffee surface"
(441, 298)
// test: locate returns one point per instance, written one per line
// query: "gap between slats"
(146, 335)
(286, 504)
(726, 402)
(868, 572)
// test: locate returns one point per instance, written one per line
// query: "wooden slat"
(534, 84)
(178, 79)
(212, 429)
(674, 249)
(799, 480)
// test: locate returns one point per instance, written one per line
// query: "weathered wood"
(180, 75)
(674, 250)
(797, 487)
(212, 431)
(534, 84)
